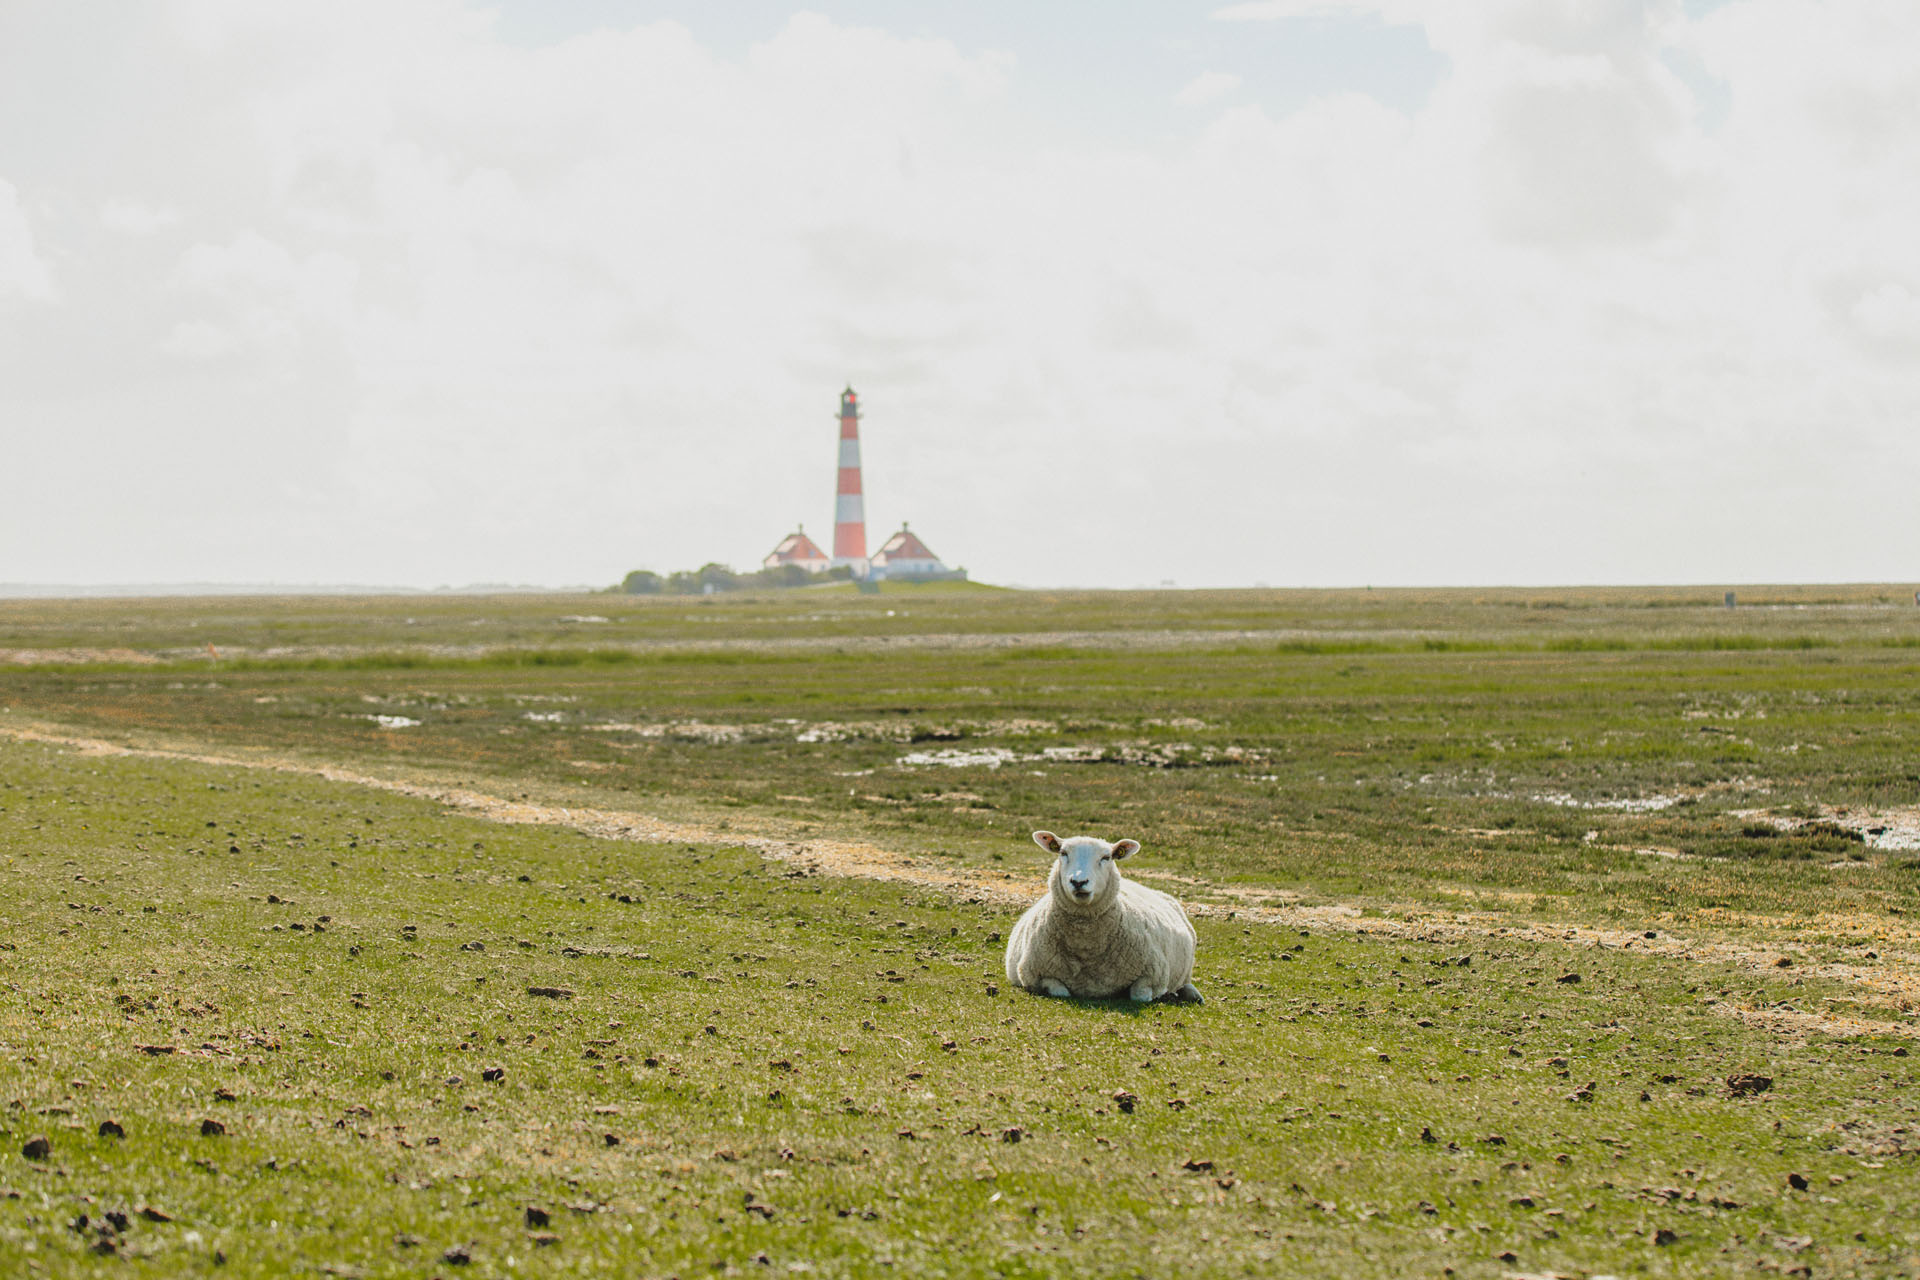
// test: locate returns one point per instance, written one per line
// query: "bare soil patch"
(72, 656)
(1897, 827)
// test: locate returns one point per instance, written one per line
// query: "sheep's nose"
(1078, 884)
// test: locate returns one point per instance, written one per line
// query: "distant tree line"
(712, 578)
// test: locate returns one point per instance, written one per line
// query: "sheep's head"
(1084, 872)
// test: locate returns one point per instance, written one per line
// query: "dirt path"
(1893, 978)
(73, 656)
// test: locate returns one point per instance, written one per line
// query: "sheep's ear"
(1125, 849)
(1047, 840)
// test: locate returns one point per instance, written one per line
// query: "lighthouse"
(902, 557)
(849, 512)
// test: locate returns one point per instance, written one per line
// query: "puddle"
(1888, 829)
(1156, 755)
(394, 722)
(424, 699)
(1590, 839)
(1164, 755)
(836, 731)
(899, 731)
(1486, 786)
(954, 758)
(1641, 804)
(691, 730)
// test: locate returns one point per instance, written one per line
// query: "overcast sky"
(1285, 291)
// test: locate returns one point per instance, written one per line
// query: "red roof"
(794, 547)
(904, 546)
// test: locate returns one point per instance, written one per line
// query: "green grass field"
(1421, 829)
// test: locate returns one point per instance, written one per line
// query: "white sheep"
(1096, 933)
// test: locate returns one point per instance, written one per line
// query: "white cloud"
(1890, 314)
(22, 273)
(135, 219)
(402, 301)
(1207, 87)
(199, 340)
(1398, 11)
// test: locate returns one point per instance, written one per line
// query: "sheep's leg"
(1054, 987)
(1143, 992)
(1189, 994)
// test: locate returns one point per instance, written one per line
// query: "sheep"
(1096, 933)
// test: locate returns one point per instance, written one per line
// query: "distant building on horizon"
(797, 548)
(905, 558)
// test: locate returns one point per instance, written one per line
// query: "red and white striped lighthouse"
(849, 512)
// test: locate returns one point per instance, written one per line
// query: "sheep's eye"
(1108, 858)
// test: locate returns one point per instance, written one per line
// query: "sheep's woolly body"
(1125, 939)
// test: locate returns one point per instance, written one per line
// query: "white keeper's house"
(797, 548)
(903, 557)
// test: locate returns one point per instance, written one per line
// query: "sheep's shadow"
(1115, 1004)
